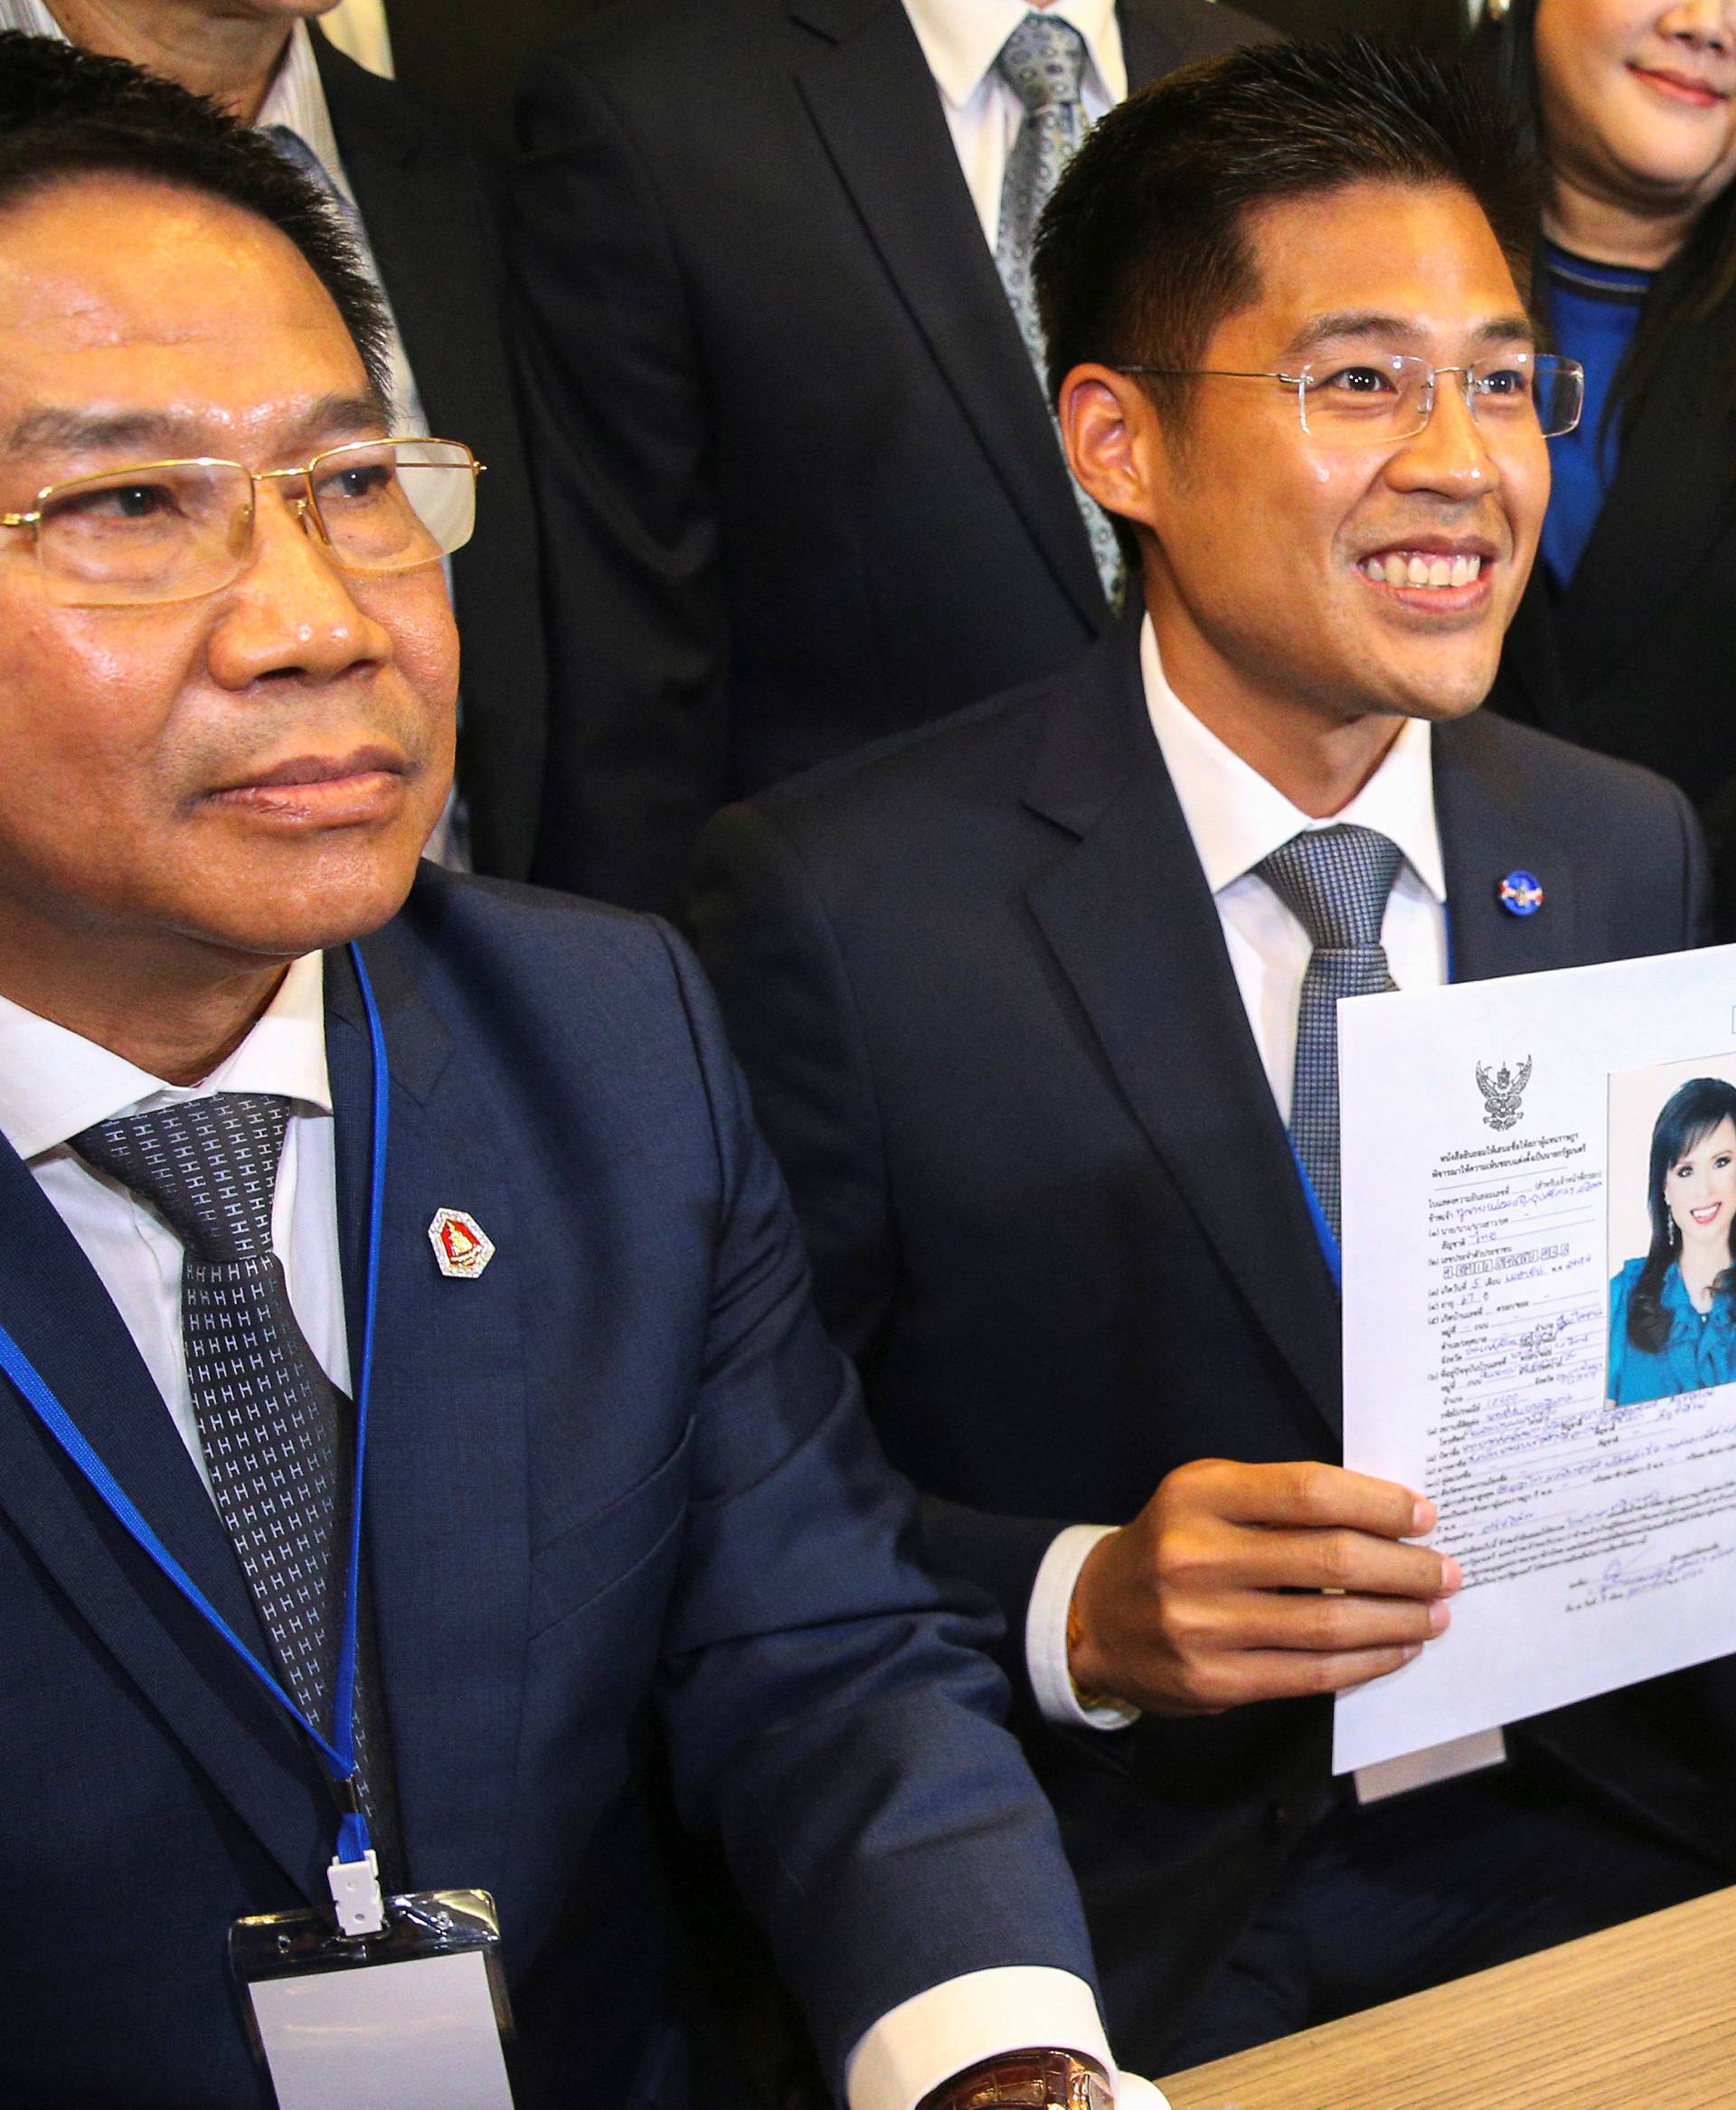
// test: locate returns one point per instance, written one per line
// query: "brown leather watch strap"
(1032, 2079)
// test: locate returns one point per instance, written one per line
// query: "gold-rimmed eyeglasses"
(157, 532)
(1380, 399)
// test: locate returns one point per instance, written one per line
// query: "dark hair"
(1143, 248)
(67, 113)
(1695, 282)
(1689, 1115)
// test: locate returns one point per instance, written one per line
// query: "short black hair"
(67, 113)
(1143, 249)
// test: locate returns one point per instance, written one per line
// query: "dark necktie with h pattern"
(1335, 882)
(277, 1433)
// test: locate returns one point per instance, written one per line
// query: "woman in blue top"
(1623, 640)
(1672, 1314)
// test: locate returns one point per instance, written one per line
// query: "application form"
(1540, 1326)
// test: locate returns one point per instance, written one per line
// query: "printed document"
(1540, 1326)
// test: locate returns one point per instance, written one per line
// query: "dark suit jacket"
(621, 1502)
(800, 486)
(1439, 27)
(433, 228)
(1636, 657)
(980, 989)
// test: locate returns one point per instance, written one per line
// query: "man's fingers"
(1300, 1674)
(1259, 1619)
(1348, 1561)
(1309, 1496)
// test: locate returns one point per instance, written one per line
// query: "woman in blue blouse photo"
(1672, 1314)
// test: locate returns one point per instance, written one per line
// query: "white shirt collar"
(53, 1082)
(295, 97)
(960, 39)
(1236, 817)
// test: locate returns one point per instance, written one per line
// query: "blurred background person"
(799, 483)
(1627, 638)
(410, 191)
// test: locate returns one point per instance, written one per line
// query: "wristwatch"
(1033, 2079)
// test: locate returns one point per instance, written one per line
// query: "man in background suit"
(799, 484)
(624, 1524)
(428, 224)
(1025, 1004)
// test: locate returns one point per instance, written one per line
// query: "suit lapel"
(1483, 838)
(446, 1505)
(1128, 916)
(1149, 44)
(879, 115)
(403, 209)
(54, 1305)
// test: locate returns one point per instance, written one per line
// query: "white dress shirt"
(53, 1084)
(1236, 818)
(961, 39)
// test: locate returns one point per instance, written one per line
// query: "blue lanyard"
(1324, 1234)
(339, 1756)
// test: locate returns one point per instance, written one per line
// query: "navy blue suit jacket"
(980, 989)
(625, 1522)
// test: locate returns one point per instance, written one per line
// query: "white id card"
(411, 2019)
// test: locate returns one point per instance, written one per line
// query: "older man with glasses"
(420, 1465)
(1039, 1010)
(415, 198)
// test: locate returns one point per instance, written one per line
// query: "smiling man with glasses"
(420, 1467)
(1039, 1010)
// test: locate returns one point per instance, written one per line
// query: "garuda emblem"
(1502, 1093)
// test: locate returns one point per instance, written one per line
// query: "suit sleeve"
(826, 1707)
(781, 977)
(616, 411)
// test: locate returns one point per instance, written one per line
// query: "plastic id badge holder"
(412, 2018)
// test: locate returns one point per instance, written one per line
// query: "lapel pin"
(462, 1248)
(1519, 893)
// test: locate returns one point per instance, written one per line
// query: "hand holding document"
(1539, 1203)
(1237, 1583)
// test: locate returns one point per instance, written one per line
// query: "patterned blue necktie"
(276, 1432)
(1044, 62)
(1335, 882)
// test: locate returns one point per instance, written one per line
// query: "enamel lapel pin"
(462, 1248)
(1521, 893)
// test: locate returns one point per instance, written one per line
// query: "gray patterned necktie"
(276, 1432)
(1044, 62)
(1335, 882)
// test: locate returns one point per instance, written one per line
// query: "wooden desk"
(1641, 2018)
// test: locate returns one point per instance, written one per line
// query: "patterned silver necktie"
(1335, 882)
(1044, 62)
(277, 1433)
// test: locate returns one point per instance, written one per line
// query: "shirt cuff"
(1045, 1635)
(937, 2034)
